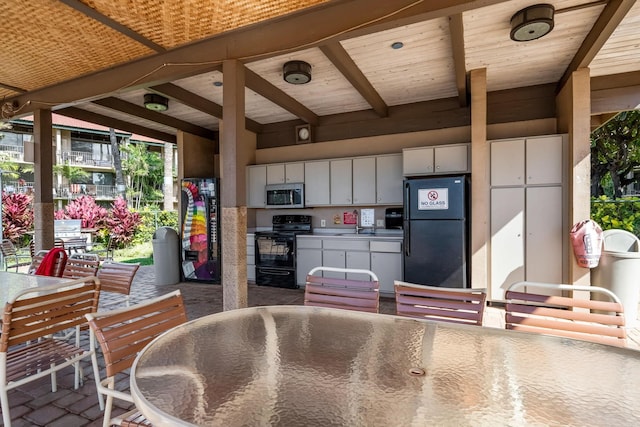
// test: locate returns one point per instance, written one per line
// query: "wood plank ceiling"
(96, 59)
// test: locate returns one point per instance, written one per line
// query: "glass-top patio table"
(11, 284)
(309, 366)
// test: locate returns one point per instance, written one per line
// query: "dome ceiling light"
(155, 102)
(532, 22)
(296, 72)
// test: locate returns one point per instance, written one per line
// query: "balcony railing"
(12, 152)
(17, 186)
(83, 158)
(73, 191)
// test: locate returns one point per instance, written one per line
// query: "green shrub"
(619, 213)
(151, 221)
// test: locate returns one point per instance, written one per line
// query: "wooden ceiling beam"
(456, 30)
(343, 62)
(114, 25)
(278, 97)
(99, 119)
(611, 16)
(135, 110)
(340, 20)
(198, 102)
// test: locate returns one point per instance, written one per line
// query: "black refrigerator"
(436, 229)
(200, 230)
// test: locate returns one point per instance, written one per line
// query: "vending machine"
(200, 230)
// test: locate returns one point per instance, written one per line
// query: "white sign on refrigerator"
(433, 198)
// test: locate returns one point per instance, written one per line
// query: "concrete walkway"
(35, 405)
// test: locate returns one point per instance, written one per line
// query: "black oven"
(276, 250)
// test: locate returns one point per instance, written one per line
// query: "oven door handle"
(274, 272)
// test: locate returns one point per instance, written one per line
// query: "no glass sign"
(433, 198)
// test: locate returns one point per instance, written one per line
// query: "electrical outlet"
(323, 223)
(380, 223)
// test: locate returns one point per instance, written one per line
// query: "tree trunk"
(117, 164)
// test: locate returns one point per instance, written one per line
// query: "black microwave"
(285, 195)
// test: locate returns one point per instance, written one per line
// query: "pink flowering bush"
(86, 209)
(121, 222)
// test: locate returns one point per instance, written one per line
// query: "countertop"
(350, 234)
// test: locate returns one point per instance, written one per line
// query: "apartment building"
(76, 144)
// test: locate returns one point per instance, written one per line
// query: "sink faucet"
(358, 228)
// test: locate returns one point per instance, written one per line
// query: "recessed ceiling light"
(217, 83)
(397, 45)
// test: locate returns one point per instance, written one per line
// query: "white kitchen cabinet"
(527, 212)
(280, 173)
(345, 253)
(307, 259)
(341, 181)
(251, 258)
(308, 256)
(437, 159)
(346, 259)
(256, 180)
(507, 162)
(364, 180)
(417, 161)
(544, 160)
(531, 161)
(507, 239)
(389, 179)
(545, 234)
(451, 158)
(386, 263)
(317, 183)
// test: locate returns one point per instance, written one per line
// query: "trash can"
(619, 271)
(166, 256)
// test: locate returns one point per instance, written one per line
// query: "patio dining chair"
(349, 294)
(122, 333)
(54, 259)
(116, 278)
(566, 316)
(81, 265)
(11, 257)
(28, 350)
(441, 304)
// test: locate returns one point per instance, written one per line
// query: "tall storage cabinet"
(528, 216)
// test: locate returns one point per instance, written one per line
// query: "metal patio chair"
(28, 350)
(598, 321)
(116, 278)
(349, 294)
(122, 333)
(440, 304)
(11, 257)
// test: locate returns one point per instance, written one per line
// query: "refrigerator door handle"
(405, 226)
(406, 238)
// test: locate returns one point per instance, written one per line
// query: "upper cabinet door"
(256, 180)
(316, 183)
(544, 160)
(294, 172)
(389, 179)
(417, 161)
(280, 173)
(507, 162)
(364, 180)
(451, 159)
(275, 173)
(341, 182)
